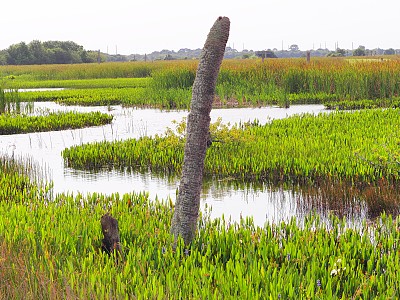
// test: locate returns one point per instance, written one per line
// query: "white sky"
(132, 26)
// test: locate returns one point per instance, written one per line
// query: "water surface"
(229, 199)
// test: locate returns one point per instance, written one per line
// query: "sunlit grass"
(240, 83)
(298, 149)
(51, 249)
(14, 124)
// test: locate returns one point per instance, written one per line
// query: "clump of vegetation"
(51, 249)
(299, 149)
(90, 97)
(25, 73)
(9, 101)
(364, 104)
(252, 83)
(21, 180)
(14, 124)
(240, 83)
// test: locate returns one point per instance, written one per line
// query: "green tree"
(338, 53)
(62, 56)
(360, 51)
(265, 54)
(92, 56)
(389, 51)
(341, 52)
(19, 54)
(38, 52)
(49, 52)
(3, 57)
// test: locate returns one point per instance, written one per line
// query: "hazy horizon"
(126, 27)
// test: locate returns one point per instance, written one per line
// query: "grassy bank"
(299, 149)
(51, 250)
(240, 83)
(15, 124)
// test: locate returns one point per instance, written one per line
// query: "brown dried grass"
(20, 280)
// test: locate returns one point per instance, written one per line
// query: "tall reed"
(240, 83)
(9, 101)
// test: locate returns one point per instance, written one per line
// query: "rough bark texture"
(111, 242)
(184, 221)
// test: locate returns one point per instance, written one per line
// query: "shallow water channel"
(226, 198)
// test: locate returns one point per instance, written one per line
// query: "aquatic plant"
(13, 124)
(299, 149)
(53, 250)
(22, 179)
(89, 97)
(364, 104)
(9, 101)
(81, 83)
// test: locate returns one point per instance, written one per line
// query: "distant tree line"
(50, 52)
(60, 52)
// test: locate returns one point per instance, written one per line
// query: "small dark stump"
(111, 242)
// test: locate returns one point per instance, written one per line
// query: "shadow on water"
(354, 202)
(268, 202)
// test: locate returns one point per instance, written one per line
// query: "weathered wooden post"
(111, 242)
(184, 221)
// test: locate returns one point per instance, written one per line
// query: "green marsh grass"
(78, 71)
(51, 250)
(57, 254)
(82, 83)
(287, 81)
(299, 149)
(14, 124)
(21, 179)
(89, 96)
(336, 161)
(364, 104)
(240, 83)
(9, 101)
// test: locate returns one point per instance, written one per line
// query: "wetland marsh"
(310, 196)
(233, 199)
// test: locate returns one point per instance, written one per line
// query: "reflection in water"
(229, 198)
